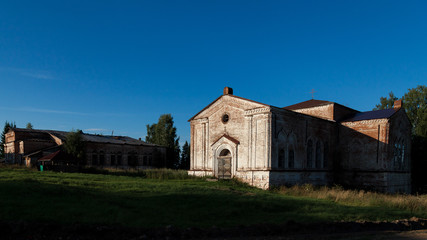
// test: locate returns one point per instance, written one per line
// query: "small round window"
(225, 118)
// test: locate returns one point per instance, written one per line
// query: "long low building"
(27, 146)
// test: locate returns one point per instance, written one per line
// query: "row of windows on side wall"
(316, 158)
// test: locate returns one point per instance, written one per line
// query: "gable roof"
(48, 149)
(210, 104)
(58, 156)
(378, 114)
(308, 104)
(123, 140)
(51, 156)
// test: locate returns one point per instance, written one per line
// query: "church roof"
(308, 104)
(378, 114)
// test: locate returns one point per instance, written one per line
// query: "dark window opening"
(132, 160)
(225, 118)
(101, 159)
(94, 159)
(291, 158)
(119, 159)
(113, 160)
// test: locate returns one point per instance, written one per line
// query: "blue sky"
(118, 65)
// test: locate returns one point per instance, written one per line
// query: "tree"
(386, 103)
(185, 157)
(163, 133)
(7, 125)
(29, 126)
(74, 145)
(415, 104)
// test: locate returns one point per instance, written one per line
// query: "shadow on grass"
(148, 204)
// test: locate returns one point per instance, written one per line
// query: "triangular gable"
(229, 95)
(227, 137)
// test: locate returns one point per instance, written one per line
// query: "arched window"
(291, 158)
(309, 154)
(281, 162)
(225, 153)
(318, 155)
(399, 154)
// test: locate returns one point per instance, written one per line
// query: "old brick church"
(317, 142)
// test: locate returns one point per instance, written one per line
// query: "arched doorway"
(224, 164)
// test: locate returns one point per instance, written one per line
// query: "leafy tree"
(7, 125)
(415, 104)
(74, 145)
(164, 133)
(386, 102)
(185, 156)
(29, 126)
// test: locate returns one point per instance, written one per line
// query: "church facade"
(316, 142)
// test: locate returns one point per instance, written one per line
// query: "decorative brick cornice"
(257, 111)
(202, 120)
(305, 110)
(364, 122)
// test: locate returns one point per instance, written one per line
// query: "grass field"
(166, 197)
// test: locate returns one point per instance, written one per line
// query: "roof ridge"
(308, 104)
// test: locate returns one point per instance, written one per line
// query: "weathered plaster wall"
(248, 127)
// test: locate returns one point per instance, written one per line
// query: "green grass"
(166, 197)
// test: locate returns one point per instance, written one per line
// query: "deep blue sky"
(117, 65)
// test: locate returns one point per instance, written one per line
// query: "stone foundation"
(391, 182)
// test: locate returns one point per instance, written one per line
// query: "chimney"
(398, 104)
(228, 91)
